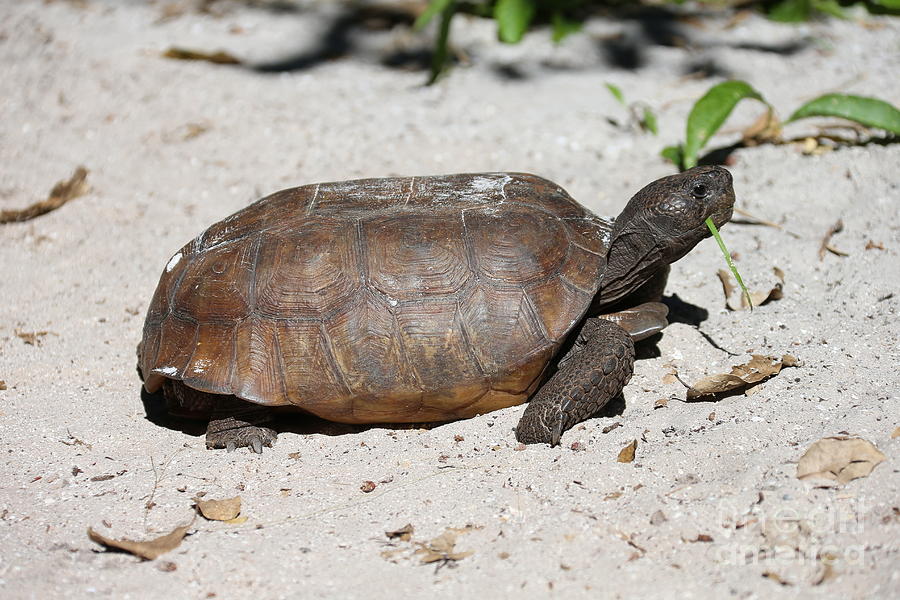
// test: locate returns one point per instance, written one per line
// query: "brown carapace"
(401, 300)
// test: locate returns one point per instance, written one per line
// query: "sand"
(709, 507)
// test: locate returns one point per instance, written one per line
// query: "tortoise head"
(662, 223)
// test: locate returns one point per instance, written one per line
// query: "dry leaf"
(148, 550)
(219, 510)
(219, 58)
(368, 486)
(826, 573)
(839, 459)
(735, 298)
(661, 403)
(775, 577)
(2, 385)
(32, 338)
(767, 128)
(896, 433)
(758, 369)
(626, 454)
(826, 240)
(442, 547)
(61, 193)
(873, 245)
(404, 533)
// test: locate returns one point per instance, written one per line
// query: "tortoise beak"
(724, 203)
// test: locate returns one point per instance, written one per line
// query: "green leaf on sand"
(870, 112)
(513, 18)
(710, 112)
(616, 92)
(434, 7)
(563, 27)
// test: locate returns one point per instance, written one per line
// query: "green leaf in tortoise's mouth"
(734, 271)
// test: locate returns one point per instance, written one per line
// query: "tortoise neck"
(633, 259)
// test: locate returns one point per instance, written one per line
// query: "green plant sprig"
(728, 261)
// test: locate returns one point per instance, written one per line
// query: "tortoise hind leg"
(236, 423)
(233, 423)
(594, 372)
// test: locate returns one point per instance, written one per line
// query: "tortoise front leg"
(592, 374)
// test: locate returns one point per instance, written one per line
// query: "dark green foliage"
(710, 112)
(515, 17)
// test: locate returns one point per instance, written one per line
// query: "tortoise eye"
(699, 191)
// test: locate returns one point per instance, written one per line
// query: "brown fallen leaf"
(2, 385)
(736, 300)
(775, 577)
(32, 338)
(219, 510)
(751, 219)
(626, 454)
(896, 433)
(61, 193)
(840, 459)
(826, 573)
(442, 548)
(368, 486)
(826, 240)
(873, 245)
(758, 369)
(767, 128)
(661, 403)
(219, 58)
(148, 550)
(403, 534)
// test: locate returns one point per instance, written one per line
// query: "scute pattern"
(408, 259)
(401, 299)
(515, 245)
(307, 272)
(214, 286)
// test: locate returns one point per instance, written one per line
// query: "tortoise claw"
(256, 445)
(229, 447)
(557, 431)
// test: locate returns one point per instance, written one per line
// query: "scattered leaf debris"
(757, 370)
(148, 550)
(368, 486)
(404, 534)
(737, 300)
(219, 510)
(609, 428)
(219, 58)
(840, 459)
(751, 219)
(826, 240)
(626, 454)
(873, 245)
(32, 338)
(658, 518)
(443, 548)
(661, 403)
(896, 433)
(2, 385)
(775, 577)
(61, 193)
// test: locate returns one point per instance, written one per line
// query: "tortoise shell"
(404, 299)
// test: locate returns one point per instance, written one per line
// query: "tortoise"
(419, 299)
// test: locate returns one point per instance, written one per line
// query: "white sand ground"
(83, 83)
